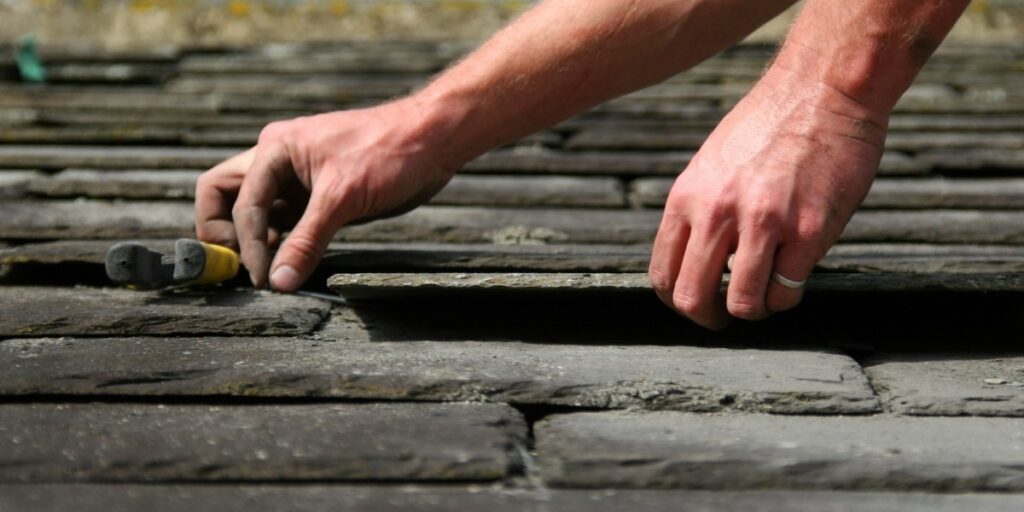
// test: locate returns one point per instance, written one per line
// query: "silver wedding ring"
(779, 278)
(787, 282)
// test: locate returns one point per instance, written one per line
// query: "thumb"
(304, 247)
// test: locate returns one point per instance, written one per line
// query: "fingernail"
(285, 278)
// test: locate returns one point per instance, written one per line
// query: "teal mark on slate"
(27, 57)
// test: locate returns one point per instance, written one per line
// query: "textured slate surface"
(40, 311)
(900, 258)
(950, 384)
(187, 498)
(667, 449)
(449, 224)
(462, 190)
(139, 443)
(100, 157)
(384, 285)
(653, 377)
(958, 193)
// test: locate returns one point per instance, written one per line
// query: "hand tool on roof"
(193, 262)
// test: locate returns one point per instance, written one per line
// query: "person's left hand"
(775, 183)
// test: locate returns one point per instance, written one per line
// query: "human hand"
(774, 184)
(314, 175)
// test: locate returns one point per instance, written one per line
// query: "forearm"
(565, 56)
(869, 50)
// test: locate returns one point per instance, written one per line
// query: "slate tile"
(86, 219)
(744, 451)
(163, 184)
(950, 384)
(394, 285)
(14, 183)
(594, 162)
(559, 191)
(113, 157)
(691, 378)
(90, 135)
(556, 191)
(415, 498)
(151, 443)
(38, 311)
(911, 193)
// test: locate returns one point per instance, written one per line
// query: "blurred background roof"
(117, 25)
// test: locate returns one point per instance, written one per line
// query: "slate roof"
(499, 348)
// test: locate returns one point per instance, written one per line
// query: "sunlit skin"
(775, 183)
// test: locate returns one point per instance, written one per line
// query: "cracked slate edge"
(950, 384)
(414, 498)
(587, 376)
(92, 442)
(732, 452)
(414, 256)
(383, 285)
(52, 311)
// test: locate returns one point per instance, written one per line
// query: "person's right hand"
(314, 175)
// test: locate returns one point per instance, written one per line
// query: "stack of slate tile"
(499, 347)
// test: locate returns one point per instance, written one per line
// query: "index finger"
(215, 192)
(271, 167)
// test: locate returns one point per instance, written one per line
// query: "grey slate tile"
(593, 162)
(413, 498)
(950, 384)
(14, 183)
(112, 157)
(150, 443)
(418, 257)
(741, 451)
(48, 311)
(385, 285)
(682, 377)
(558, 191)
(163, 184)
(894, 193)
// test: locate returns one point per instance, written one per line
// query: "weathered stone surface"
(617, 140)
(385, 285)
(121, 98)
(95, 219)
(925, 141)
(138, 443)
(532, 191)
(90, 135)
(409, 257)
(99, 219)
(671, 449)
(414, 498)
(605, 376)
(13, 183)
(975, 193)
(558, 162)
(113, 157)
(163, 184)
(947, 193)
(510, 226)
(30, 311)
(108, 73)
(974, 123)
(923, 258)
(950, 384)
(327, 85)
(937, 226)
(1003, 160)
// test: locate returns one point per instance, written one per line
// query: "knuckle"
(746, 308)
(273, 131)
(764, 215)
(306, 246)
(687, 304)
(660, 279)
